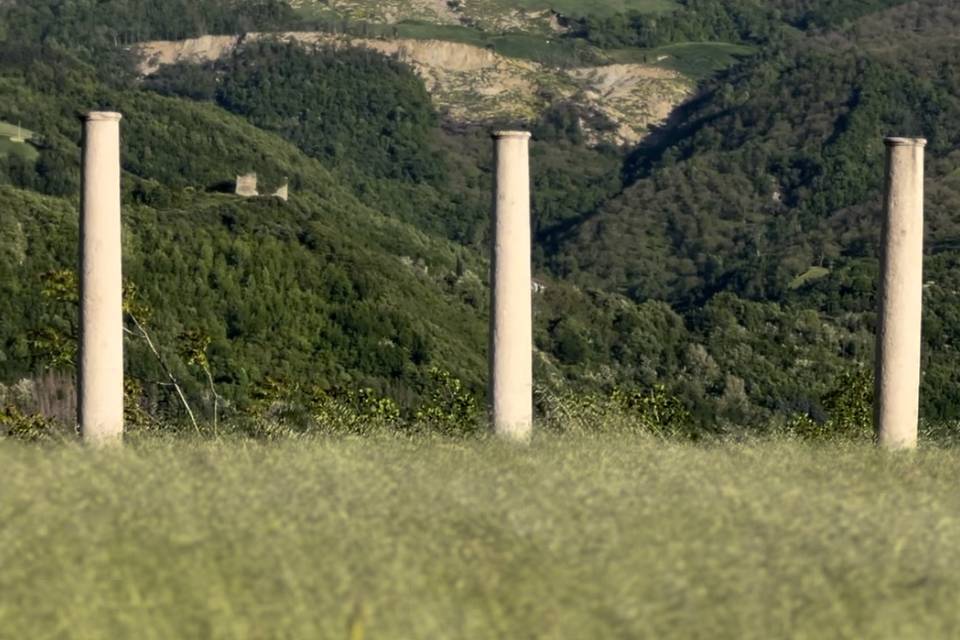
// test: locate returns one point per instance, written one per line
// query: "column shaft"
(101, 283)
(511, 314)
(897, 390)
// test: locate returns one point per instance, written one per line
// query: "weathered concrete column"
(101, 283)
(897, 390)
(511, 308)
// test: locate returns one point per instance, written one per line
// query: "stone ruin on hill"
(247, 188)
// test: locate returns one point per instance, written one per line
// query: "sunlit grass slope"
(585, 7)
(693, 59)
(487, 15)
(13, 142)
(572, 538)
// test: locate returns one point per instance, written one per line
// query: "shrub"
(16, 424)
(654, 410)
(354, 412)
(450, 408)
(849, 405)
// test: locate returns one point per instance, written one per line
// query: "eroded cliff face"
(476, 85)
(634, 96)
(154, 55)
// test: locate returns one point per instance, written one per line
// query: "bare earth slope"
(475, 85)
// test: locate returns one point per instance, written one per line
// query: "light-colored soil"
(390, 11)
(633, 95)
(475, 85)
(197, 50)
(489, 16)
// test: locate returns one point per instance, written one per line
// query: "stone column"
(897, 390)
(101, 283)
(511, 308)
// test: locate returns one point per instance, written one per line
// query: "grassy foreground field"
(575, 537)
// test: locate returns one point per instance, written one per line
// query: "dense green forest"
(721, 21)
(728, 262)
(92, 25)
(768, 185)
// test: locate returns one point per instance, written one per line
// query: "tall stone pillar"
(101, 283)
(511, 309)
(897, 390)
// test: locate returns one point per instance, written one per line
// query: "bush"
(654, 411)
(17, 425)
(849, 406)
(450, 408)
(354, 412)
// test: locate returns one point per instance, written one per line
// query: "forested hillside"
(727, 261)
(768, 185)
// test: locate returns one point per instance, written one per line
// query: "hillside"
(725, 256)
(320, 284)
(769, 185)
(475, 85)
(488, 15)
(350, 285)
(489, 62)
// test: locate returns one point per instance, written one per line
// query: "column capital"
(101, 116)
(497, 135)
(894, 141)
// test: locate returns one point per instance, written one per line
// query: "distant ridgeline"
(729, 258)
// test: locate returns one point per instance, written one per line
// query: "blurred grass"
(575, 537)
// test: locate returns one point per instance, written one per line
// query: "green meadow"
(698, 60)
(8, 132)
(528, 46)
(493, 8)
(585, 7)
(424, 537)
